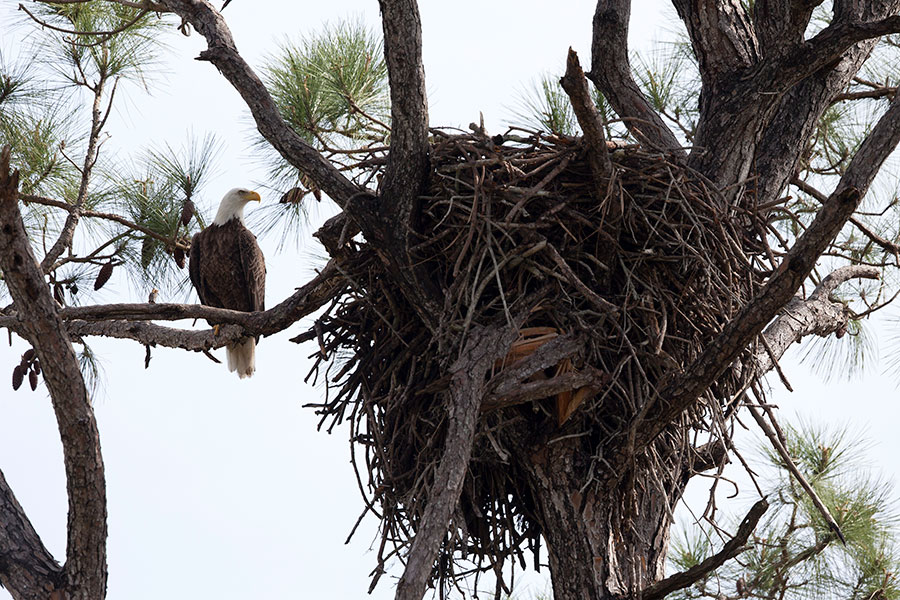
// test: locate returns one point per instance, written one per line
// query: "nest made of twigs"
(646, 275)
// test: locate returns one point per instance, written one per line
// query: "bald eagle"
(228, 270)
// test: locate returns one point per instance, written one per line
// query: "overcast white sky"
(220, 488)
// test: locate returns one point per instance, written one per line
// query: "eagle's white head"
(232, 206)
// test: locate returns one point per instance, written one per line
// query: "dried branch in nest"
(635, 282)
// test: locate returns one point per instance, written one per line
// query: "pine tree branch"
(27, 569)
(732, 548)
(795, 120)
(389, 221)
(817, 315)
(128, 321)
(722, 35)
(408, 162)
(611, 73)
(826, 48)
(105, 35)
(223, 54)
(29, 198)
(90, 159)
(85, 568)
(145, 4)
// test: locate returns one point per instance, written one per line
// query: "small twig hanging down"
(789, 463)
(209, 355)
(732, 548)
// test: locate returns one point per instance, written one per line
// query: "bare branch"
(467, 386)
(886, 91)
(575, 85)
(85, 567)
(732, 548)
(611, 73)
(27, 569)
(90, 159)
(792, 468)
(817, 315)
(124, 321)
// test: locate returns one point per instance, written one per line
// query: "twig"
(106, 34)
(789, 463)
(781, 375)
(108, 216)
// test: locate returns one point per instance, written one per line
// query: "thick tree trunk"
(84, 574)
(603, 541)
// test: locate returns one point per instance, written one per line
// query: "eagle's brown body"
(227, 267)
(228, 270)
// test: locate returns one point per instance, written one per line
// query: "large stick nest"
(643, 269)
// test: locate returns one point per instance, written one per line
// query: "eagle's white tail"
(242, 357)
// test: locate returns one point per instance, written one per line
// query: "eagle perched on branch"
(228, 270)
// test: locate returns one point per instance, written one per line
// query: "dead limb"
(130, 321)
(467, 385)
(575, 85)
(789, 464)
(732, 548)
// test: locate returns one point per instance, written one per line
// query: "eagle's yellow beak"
(253, 196)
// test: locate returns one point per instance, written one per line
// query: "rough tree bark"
(84, 574)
